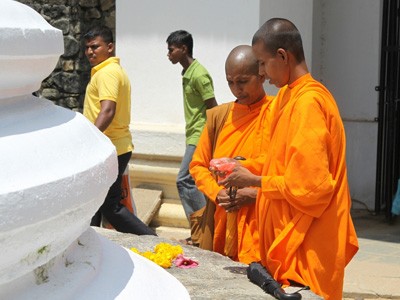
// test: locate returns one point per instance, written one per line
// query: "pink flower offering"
(184, 262)
(224, 166)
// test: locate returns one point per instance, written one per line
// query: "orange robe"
(242, 134)
(303, 209)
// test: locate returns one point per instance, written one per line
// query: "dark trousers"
(115, 212)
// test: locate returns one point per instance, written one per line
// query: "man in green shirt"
(198, 96)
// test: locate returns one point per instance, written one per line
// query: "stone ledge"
(216, 277)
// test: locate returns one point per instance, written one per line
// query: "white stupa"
(55, 170)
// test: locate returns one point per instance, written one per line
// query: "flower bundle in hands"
(164, 254)
(222, 167)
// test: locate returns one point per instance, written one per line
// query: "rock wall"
(65, 86)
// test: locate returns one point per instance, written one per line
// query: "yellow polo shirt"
(108, 81)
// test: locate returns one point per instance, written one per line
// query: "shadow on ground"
(375, 226)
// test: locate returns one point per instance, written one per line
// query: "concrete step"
(147, 203)
(155, 211)
(170, 214)
(155, 174)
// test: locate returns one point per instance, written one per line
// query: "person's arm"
(210, 103)
(203, 84)
(308, 180)
(106, 115)
(241, 177)
(199, 165)
(254, 165)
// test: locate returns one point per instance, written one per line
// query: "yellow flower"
(163, 255)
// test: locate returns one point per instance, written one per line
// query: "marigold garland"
(163, 255)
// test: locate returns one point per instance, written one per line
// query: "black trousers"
(115, 212)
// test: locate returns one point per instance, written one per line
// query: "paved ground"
(374, 273)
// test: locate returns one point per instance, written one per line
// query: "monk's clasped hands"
(243, 197)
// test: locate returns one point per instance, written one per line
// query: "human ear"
(110, 47)
(282, 54)
(184, 49)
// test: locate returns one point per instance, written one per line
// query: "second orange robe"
(244, 133)
(306, 231)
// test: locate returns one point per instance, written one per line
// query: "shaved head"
(244, 80)
(280, 33)
(242, 57)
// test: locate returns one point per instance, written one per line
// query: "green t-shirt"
(197, 87)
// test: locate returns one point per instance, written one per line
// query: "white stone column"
(55, 171)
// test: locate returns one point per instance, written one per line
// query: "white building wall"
(142, 29)
(341, 40)
(347, 51)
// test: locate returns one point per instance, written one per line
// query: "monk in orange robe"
(242, 134)
(303, 208)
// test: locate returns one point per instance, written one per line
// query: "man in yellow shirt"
(107, 105)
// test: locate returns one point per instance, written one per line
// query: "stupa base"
(96, 268)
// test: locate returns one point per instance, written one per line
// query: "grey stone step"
(147, 202)
(170, 214)
(156, 211)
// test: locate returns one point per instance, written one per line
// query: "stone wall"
(66, 84)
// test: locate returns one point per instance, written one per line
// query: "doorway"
(388, 152)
